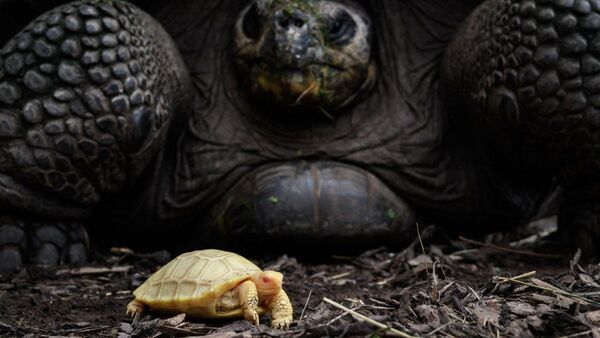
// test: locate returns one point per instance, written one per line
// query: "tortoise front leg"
(282, 312)
(529, 72)
(249, 301)
(88, 91)
(41, 243)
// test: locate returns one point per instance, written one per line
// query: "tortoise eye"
(342, 29)
(266, 280)
(252, 23)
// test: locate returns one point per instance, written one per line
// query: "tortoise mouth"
(309, 85)
(311, 202)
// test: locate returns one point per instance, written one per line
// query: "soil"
(437, 287)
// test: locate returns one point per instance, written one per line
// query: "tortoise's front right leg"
(41, 243)
(87, 93)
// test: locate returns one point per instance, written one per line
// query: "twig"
(440, 328)
(505, 249)
(341, 275)
(422, 246)
(304, 308)
(435, 296)
(515, 278)
(585, 333)
(392, 331)
(557, 291)
(311, 87)
(474, 292)
(94, 270)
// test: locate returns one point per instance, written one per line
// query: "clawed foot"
(281, 323)
(252, 316)
(135, 308)
(41, 244)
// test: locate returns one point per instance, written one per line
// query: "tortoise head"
(313, 54)
(268, 283)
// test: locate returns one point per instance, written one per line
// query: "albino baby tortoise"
(215, 284)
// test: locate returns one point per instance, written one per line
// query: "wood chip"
(485, 314)
(228, 334)
(174, 321)
(94, 270)
(593, 316)
(587, 279)
(521, 308)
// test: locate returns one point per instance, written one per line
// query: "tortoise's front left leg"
(87, 94)
(282, 312)
(529, 71)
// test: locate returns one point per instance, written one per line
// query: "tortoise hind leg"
(135, 308)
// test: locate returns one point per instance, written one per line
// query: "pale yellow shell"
(194, 281)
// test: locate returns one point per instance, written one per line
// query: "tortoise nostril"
(285, 20)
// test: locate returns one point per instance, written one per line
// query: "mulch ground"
(505, 285)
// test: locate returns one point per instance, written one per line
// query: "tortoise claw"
(134, 308)
(252, 316)
(281, 323)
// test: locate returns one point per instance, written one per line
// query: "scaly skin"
(135, 308)
(531, 69)
(249, 301)
(87, 92)
(281, 311)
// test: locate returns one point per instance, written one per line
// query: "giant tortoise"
(339, 123)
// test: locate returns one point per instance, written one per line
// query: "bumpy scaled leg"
(12, 244)
(249, 301)
(87, 91)
(531, 70)
(41, 243)
(282, 312)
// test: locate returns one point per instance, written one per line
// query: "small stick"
(515, 278)
(392, 331)
(311, 87)
(304, 308)
(474, 292)
(585, 333)
(504, 249)
(557, 291)
(439, 328)
(422, 246)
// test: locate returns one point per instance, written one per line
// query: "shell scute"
(187, 288)
(184, 265)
